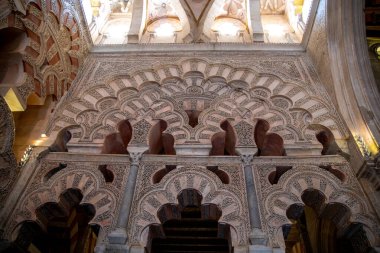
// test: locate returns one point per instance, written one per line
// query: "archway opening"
(189, 227)
(322, 227)
(61, 227)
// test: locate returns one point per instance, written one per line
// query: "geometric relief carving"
(245, 133)
(228, 198)
(277, 198)
(168, 91)
(140, 132)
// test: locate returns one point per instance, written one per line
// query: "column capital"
(135, 157)
(246, 159)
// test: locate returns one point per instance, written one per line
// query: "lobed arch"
(293, 184)
(92, 186)
(288, 102)
(73, 218)
(207, 184)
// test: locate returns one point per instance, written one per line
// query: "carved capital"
(135, 158)
(247, 159)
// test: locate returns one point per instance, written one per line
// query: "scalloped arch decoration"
(289, 190)
(90, 183)
(226, 92)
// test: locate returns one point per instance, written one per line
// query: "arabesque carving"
(57, 42)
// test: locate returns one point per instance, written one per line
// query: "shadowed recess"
(318, 226)
(160, 143)
(61, 227)
(268, 144)
(189, 226)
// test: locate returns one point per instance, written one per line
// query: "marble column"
(257, 236)
(255, 25)
(119, 235)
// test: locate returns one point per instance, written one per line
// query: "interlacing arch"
(216, 91)
(291, 187)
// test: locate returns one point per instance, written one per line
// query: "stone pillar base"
(258, 237)
(259, 249)
(117, 248)
(118, 236)
(264, 249)
(133, 38)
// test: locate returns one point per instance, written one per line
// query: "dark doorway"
(63, 227)
(189, 227)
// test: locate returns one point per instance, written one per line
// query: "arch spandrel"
(288, 104)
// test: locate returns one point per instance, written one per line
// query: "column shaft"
(255, 24)
(119, 235)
